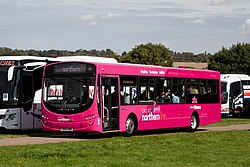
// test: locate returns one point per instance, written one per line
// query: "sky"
(195, 26)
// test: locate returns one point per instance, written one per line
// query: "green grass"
(231, 121)
(15, 134)
(169, 149)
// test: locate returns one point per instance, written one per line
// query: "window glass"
(192, 86)
(203, 87)
(212, 87)
(128, 90)
(178, 91)
(213, 94)
(202, 91)
(163, 90)
(224, 93)
(146, 90)
(168, 90)
(69, 87)
(27, 88)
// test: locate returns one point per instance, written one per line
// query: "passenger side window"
(192, 86)
(212, 87)
(146, 90)
(163, 86)
(128, 90)
(178, 91)
(213, 91)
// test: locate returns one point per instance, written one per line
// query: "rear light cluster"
(91, 119)
(238, 108)
(225, 110)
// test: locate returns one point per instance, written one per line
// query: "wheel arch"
(196, 115)
(131, 125)
(133, 115)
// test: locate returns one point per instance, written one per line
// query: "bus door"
(110, 103)
(235, 97)
(27, 95)
(246, 97)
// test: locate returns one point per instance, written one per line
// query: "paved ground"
(34, 140)
(228, 128)
(70, 138)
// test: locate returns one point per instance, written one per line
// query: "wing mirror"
(11, 73)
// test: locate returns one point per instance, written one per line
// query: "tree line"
(155, 50)
(235, 59)
(4, 51)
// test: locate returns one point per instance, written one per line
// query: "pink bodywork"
(155, 116)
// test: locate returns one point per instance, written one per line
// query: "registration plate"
(66, 129)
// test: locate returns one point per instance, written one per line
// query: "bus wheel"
(130, 126)
(194, 123)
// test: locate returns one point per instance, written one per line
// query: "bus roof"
(150, 70)
(88, 59)
(26, 58)
(63, 58)
(234, 77)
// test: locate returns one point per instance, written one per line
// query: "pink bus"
(86, 97)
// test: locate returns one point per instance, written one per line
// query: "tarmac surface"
(73, 137)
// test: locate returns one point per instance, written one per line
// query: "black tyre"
(194, 123)
(131, 126)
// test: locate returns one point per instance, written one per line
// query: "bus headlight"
(11, 117)
(2, 116)
(44, 117)
(90, 119)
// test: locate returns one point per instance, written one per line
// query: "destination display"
(7, 63)
(71, 68)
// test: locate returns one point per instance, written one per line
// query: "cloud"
(166, 8)
(199, 21)
(110, 15)
(245, 28)
(220, 2)
(90, 19)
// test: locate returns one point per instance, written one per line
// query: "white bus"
(235, 94)
(20, 91)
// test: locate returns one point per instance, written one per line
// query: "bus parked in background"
(20, 92)
(87, 97)
(235, 95)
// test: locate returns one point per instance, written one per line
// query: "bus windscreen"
(69, 87)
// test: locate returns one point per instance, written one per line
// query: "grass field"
(15, 134)
(191, 64)
(171, 149)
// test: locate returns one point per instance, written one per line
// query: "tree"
(6, 51)
(233, 60)
(149, 54)
(190, 57)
